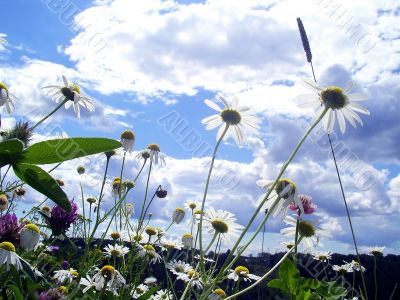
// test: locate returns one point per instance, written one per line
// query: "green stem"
(51, 113)
(375, 279)
(205, 196)
(283, 169)
(83, 211)
(348, 216)
(263, 277)
(145, 198)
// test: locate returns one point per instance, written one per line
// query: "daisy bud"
(115, 235)
(108, 154)
(46, 210)
(20, 192)
(91, 200)
(127, 140)
(60, 182)
(154, 147)
(187, 240)
(63, 290)
(161, 193)
(151, 231)
(107, 271)
(129, 184)
(80, 170)
(178, 215)
(217, 294)
(29, 236)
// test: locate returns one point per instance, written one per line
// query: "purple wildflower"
(308, 205)
(161, 193)
(9, 228)
(65, 265)
(60, 220)
(52, 294)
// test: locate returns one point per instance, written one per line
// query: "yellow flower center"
(198, 212)
(220, 292)
(154, 147)
(187, 235)
(282, 184)
(63, 290)
(220, 226)
(4, 87)
(127, 135)
(45, 209)
(115, 252)
(32, 227)
(192, 205)
(180, 210)
(333, 97)
(75, 88)
(115, 235)
(91, 200)
(231, 116)
(107, 270)
(7, 246)
(74, 273)
(149, 247)
(306, 228)
(151, 231)
(193, 274)
(240, 270)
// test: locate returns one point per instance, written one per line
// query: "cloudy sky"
(148, 66)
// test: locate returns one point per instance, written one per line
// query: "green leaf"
(9, 150)
(278, 284)
(149, 293)
(59, 150)
(17, 293)
(309, 283)
(41, 181)
(331, 290)
(290, 275)
(303, 295)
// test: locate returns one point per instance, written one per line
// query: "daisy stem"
(264, 276)
(205, 196)
(348, 215)
(145, 198)
(51, 113)
(283, 169)
(375, 279)
(119, 193)
(83, 212)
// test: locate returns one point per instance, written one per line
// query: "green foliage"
(49, 152)
(291, 283)
(149, 293)
(59, 150)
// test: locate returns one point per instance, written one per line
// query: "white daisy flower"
(163, 295)
(169, 244)
(8, 256)
(62, 276)
(238, 118)
(376, 250)
(110, 278)
(89, 283)
(127, 140)
(139, 291)
(322, 255)
(120, 235)
(343, 269)
(178, 215)
(198, 257)
(191, 205)
(177, 266)
(150, 252)
(2, 38)
(287, 190)
(150, 281)
(310, 233)
(288, 245)
(192, 277)
(241, 272)
(223, 223)
(187, 240)
(339, 102)
(6, 98)
(115, 251)
(71, 93)
(355, 266)
(29, 236)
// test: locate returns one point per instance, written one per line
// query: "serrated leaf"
(331, 290)
(9, 151)
(278, 284)
(41, 181)
(59, 150)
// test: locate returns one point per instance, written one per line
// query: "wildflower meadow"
(105, 240)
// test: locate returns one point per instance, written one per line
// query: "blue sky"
(141, 61)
